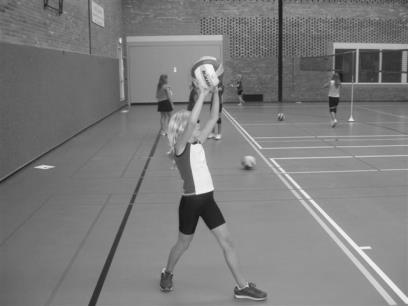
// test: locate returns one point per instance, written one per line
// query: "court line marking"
(109, 259)
(331, 136)
(330, 171)
(301, 195)
(314, 123)
(350, 241)
(384, 113)
(332, 139)
(244, 131)
(344, 171)
(341, 156)
(331, 147)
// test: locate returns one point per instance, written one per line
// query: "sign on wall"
(98, 16)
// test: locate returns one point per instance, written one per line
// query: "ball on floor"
(281, 117)
(248, 162)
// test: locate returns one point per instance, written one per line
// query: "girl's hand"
(203, 90)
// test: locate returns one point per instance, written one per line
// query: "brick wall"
(250, 34)
(26, 22)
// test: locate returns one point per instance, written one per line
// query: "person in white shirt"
(334, 96)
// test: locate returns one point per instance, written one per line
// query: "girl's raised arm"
(192, 121)
(213, 116)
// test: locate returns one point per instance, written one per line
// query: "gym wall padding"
(47, 96)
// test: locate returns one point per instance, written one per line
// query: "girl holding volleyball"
(186, 141)
(334, 96)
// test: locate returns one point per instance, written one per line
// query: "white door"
(151, 56)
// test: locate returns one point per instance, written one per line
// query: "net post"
(280, 59)
(351, 119)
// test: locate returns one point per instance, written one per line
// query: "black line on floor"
(109, 259)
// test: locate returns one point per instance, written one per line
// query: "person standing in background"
(164, 104)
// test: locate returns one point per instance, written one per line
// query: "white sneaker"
(211, 136)
(218, 137)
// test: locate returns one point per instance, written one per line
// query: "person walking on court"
(240, 89)
(186, 141)
(334, 97)
(213, 134)
(165, 105)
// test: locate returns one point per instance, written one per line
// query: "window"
(391, 66)
(371, 63)
(344, 60)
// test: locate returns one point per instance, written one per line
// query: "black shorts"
(164, 106)
(194, 206)
(333, 102)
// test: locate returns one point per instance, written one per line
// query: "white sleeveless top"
(193, 169)
(333, 90)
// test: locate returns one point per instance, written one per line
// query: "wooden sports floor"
(321, 220)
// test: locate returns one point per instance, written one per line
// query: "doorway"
(150, 56)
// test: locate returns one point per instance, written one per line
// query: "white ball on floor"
(281, 117)
(248, 162)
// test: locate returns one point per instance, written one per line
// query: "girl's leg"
(167, 120)
(223, 237)
(177, 250)
(333, 110)
(241, 100)
(162, 122)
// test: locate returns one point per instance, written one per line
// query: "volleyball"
(207, 71)
(281, 117)
(248, 162)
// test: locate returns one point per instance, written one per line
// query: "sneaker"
(218, 137)
(250, 292)
(163, 133)
(166, 281)
(333, 123)
(211, 136)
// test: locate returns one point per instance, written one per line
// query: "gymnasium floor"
(321, 220)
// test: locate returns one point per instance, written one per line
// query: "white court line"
(313, 157)
(330, 136)
(369, 261)
(331, 171)
(302, 196)
(391, 169)
(332, 147)
(384, 113)
(245, 132)
(333, 139)
(340, 156)
(312, 123)
(298, 148)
